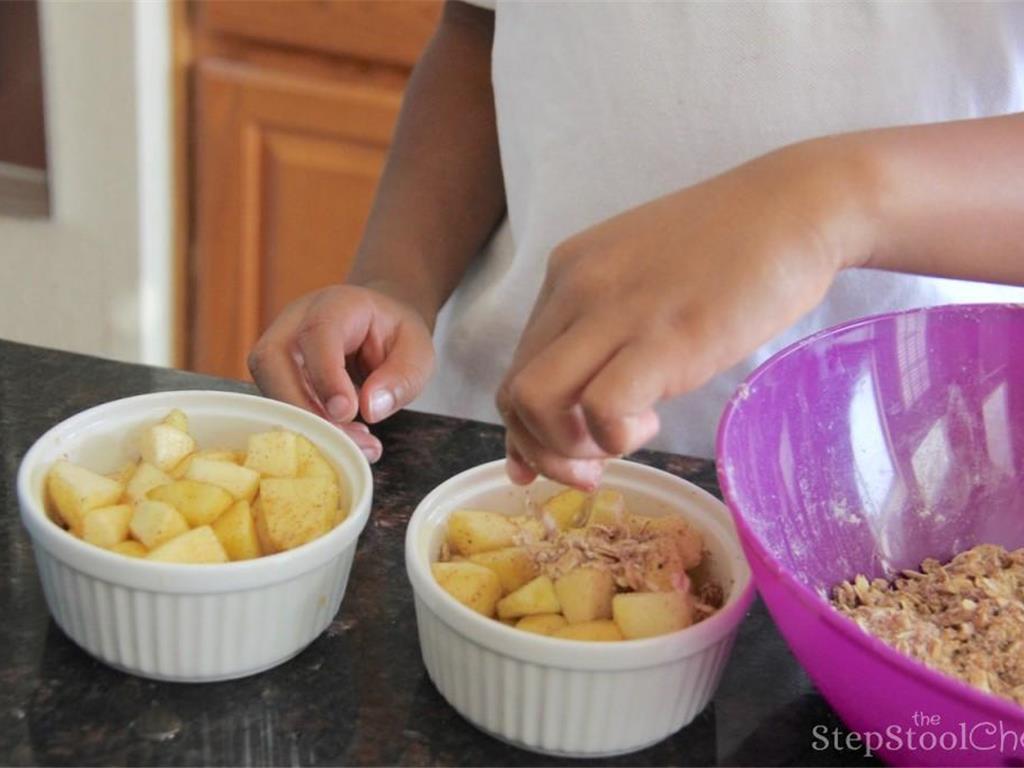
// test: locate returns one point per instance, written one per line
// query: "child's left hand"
(657, 300)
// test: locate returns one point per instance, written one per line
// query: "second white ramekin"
(190, 623)
(564, 697)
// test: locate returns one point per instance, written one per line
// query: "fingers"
(526, 459)
(518, 470)
(544, 394)
(367, 443)
(401, 375)
(612, 414)
(300, 364)
(278, 376)
(619, 401)
(328, 334)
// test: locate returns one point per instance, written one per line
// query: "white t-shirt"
(602, 106)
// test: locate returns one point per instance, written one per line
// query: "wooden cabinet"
(294, 105)
(370, 30)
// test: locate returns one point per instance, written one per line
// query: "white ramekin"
(189, 623)
(564, 697)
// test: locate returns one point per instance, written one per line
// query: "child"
(678, 190)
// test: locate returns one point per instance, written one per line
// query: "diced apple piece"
(256, 508)
(164, 446)
(474, 586)
(646, 614)
(155, 522)
(200, 545)
(513, 565)
(602, 631)
(566, 508)
(130, 548)
(106, 526)
(310, 462)
(146, 478)
(273, 454)
(472, 531)
(663, 567)
(537, 596)
(585, 594)
(531, 528)
(74, 490)
(236, 530)
(123, 474)
(181, 468)
(607, 507)
(210, 454)
(542, 623)
(240, 482)
(200, 503)
(689, 543)
(178, 420)
(293, 511)
(221, 454)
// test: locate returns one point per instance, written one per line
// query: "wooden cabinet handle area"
(293, 103)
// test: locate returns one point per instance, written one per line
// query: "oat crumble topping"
(630, 556)
(964, 618)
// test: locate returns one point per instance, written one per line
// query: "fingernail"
(337, 407)
(372, 453)
(382, 402)
(642, 428)
(587, 474)
(518, 472)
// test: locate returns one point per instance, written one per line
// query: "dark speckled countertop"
(359, 694)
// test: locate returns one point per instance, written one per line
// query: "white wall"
(96, 276)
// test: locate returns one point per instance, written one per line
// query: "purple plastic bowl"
(865, 449)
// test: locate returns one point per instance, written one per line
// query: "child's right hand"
(343, 351)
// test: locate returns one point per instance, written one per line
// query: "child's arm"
(945, 199)
(442, 193)
(655, 301)
(439, 198)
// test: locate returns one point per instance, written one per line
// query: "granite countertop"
(359, 694)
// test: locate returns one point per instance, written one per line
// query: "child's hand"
(322, 346)
(655, 301)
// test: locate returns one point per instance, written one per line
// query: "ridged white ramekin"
(565, 697)
(190, 623)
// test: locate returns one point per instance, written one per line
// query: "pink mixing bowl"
(865, 449)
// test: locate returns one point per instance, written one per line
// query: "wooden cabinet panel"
(393, 31)
(316, 196)
(286, 167)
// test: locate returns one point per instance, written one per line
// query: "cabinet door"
(286, 167)
(394, 31)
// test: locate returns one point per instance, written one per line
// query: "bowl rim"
(819, 605)
(185, 578)
(575, 654)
